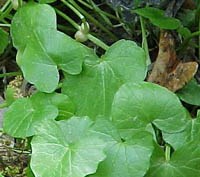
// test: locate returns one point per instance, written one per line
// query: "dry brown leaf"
(168, 71)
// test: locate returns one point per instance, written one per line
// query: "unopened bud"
(85, 27)
(15, 4)
(80, 36)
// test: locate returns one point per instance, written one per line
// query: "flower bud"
(85, 27)
(15, 4)
(80, 36)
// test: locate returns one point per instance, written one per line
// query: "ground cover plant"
(81, 107)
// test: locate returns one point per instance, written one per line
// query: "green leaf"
(190, 134)
(29, 172)
(67, 53)
(3, 40)
(65, 106)
(124, 61)
(158, 18)
(183, 31)
(38, 68)
(27, 19)
(10, 95)
(137, 105)
(183, 163)
(190, 93)
(67, 148)
(127, 156)
(188, 17)
(46, 1)
(24, 114)
(49, 50)
(44, 50)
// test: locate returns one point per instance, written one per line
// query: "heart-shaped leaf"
(43, 50)
(190, 93)
(67, 148)
(30, 17)
(48, 50)
(137, 105)
(158, 18)
(190, 134)
(183, 163)
(24, 114)
(124, 61)
(127, 156)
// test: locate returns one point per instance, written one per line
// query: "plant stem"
(90, 37)
(167, 152)
(199, 36)
(4, 21)
(186, 41)
(85, 4)
(5, 25)
(59, 85)
(100, 13)
(5, 6)
(71, 21)
(91, 18)
(144, 41)
(20, 3)
(6, 12)
(67, 29)
(10, 74)
(97, 42)
(110, 15)
(74, 10)
(196, 33)
(99, 10)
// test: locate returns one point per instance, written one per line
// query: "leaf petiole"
(92, 19)
(92, 38)
(73, 9)
(97, 42)
(5, 6)
(5, 25)
(71, 21)
(167, 152)
(10, 74)
(144, 40)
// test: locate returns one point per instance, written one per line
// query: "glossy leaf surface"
(101, 78)
(137, 105)
(66, 148)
